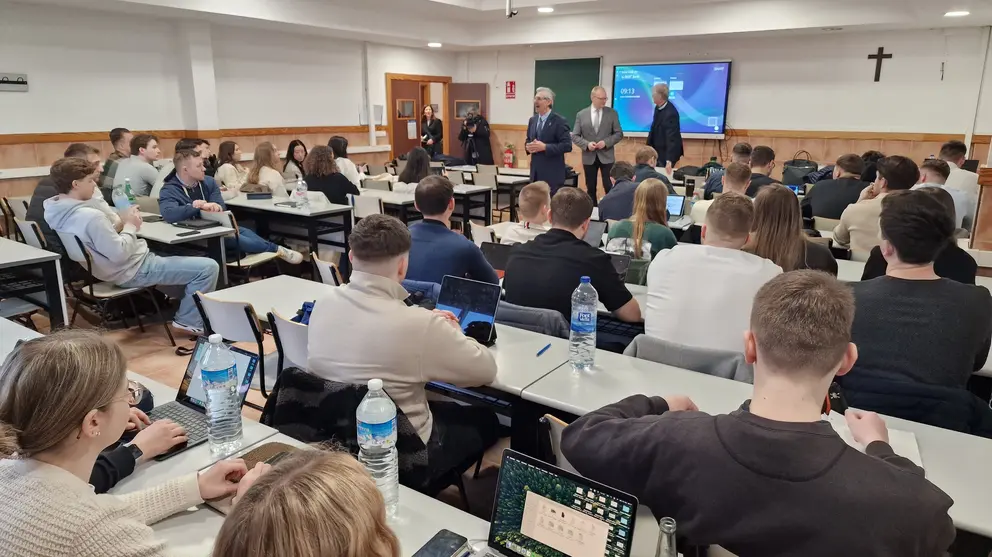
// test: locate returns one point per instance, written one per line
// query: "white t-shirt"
(962, 180)
(522, 232)
(701, 296)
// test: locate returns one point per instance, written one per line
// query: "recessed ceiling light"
(545, 10)
(435, 45)
(960, 13)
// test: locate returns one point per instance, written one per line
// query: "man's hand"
(866, 427)
(668, 168)
(137, 420)
(222, 479)
(249, 479)
(871, 192)
(592, 146)
(158, 438)
(536, 146)
(430, 142)
(449, 317)
(601, 145)
(199, 203)
(211, 208)
(680, 403)
(132, 216)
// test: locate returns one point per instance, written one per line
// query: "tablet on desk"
(474, 303)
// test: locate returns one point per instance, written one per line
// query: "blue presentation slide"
(699, 90)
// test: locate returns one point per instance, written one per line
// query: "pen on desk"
(543, 350)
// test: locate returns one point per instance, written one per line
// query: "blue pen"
(543, 350)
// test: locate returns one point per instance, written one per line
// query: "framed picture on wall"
(435, 108)
(406, 109)
(463, 108)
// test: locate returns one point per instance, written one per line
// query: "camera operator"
(475, 139)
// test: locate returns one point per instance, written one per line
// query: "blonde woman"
(230, 175)
(49, 444)
(312, 504)
(646, 232)
(777, 233)
(265, 175)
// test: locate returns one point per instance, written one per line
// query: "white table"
(283, 293)
(15, 255)
(10, 333)
(169, 234)
(402, 204)
(850, 271)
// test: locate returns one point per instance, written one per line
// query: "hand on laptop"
(158, 438)
(866, 427)
(680, 403)
(450, 317)
(250, 478)
(221, 479)
(137, 420)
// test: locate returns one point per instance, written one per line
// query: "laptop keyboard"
(192, 421)
(613, 326)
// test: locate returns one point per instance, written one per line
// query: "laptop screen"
(594, 236)
(191, 390)
(474, 303)
(676, 206)
(498, 255)
(543, 510)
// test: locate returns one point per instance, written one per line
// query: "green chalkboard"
(571, 79)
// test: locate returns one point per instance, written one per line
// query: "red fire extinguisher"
(508, 157)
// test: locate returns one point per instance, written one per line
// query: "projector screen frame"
(726, 100)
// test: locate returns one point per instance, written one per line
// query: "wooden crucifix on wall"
(878, 58)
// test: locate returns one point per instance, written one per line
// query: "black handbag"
(793, 171)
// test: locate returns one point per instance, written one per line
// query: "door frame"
(390, 78)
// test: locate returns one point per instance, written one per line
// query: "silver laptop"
(676, 212)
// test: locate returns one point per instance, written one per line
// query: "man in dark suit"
(597, 130)
(666, 129)
(548, 139)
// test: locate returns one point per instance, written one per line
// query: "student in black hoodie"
(772, 479)
(829, 198)
(762, 164)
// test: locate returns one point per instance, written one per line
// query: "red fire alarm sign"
(511, 89)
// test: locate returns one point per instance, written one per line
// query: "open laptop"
(543, 510)
(189, 408)
(798, 189)
(676, 212)
(474, 303)
(594, 236)
(971, 165)
(498, 255)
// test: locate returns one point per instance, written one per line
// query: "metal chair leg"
(478, 467)
(75, 311)
(141, 326)
(460, 483)
(158, 311)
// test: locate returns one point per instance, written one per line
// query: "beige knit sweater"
(48, 512)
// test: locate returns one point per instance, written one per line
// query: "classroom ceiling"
(479, 24)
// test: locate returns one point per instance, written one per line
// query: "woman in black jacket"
(321, 173)
(433, 133)
(475, 140)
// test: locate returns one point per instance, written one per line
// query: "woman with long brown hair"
(311, 504)
(321, 174)
(265, 175)
(230, 174)
(646, 232)
(777, 233)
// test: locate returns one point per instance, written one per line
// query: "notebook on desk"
(903, 443)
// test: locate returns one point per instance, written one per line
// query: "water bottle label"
(218, 375)
(377, 435)
(584, 322)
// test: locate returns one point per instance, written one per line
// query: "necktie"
(597, 116)
(540, 125)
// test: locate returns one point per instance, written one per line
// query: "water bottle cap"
(215, 339)
(585, 280)
(375, 384)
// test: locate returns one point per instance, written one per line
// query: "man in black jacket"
(762, 164)
(666, 129)
(829, 198)
(475, 139)
(772, 478)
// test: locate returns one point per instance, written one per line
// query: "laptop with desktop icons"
(474, 303)
(543, 511)
(676, 212)
(190, 407)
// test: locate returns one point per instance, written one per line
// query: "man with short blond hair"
(734, 179)
(709, 286)
(934, 173)
(740, 154)
(535, 204)
(597, 130)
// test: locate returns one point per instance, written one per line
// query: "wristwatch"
(136, 451)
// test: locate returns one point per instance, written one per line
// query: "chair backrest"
(327, 271)
(365, 205)
(719, 363)
(825, 225)
(223, 218)
(18, 208)
(481, 233)
(555, 427)
(858, 255)
(382, 185)
(680, 190)
(73, 247)
(537, 320)
(400, 165)
(291, 341)
(485, 169)
(456, 177)
(235, 321)
(481, 179)
(31, 233)
(147, 204)
(376, 169)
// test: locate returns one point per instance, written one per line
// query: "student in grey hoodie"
(122, 258)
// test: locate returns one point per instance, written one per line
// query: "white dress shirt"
(966, 182)
(597, 118)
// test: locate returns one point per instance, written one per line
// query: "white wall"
(88, 71)
(815, 82)
(385, 59)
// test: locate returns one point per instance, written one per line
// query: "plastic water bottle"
(122, 201)
(300, 194)
(219, 372)
(582, 337)
(376, 418)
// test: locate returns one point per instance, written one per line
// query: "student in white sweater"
(48, 446)
(265, 172)
(339, 145)
(535, 211)
(296, 153)
(230, 174)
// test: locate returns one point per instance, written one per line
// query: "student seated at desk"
(646, 232)
(830, 197)
(49, 442)
(313, 503)
(534, 208)
(265, 175)
(543, 272)
(364, 330)
(646, 160)
(152, 439)
(122, 258)
(339, 145)
(418, 167)
(167, 170)
(952, 262)
(912, 325)
(858, 228)
(772, 478)
(296, 153)
(736, 178)
(190, 191)
(714, 184)
(322, 174)
(777, 233)
(762, 164)
(934, 174)
(618, 203)
(700, 295)
(437, 250)
(230, 174)
(120, 139)
(138, 168)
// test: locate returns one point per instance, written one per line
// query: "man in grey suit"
(596, 131)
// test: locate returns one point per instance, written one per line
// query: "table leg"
(466, 215)
(513, 203)
(488, 201)
(217, 252)
(52, 274)
(345, 265)
(312, 234)
(404, 215)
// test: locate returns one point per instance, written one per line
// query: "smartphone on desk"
(444, 544)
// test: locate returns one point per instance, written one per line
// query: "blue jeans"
(193, 273)
(248, 242)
